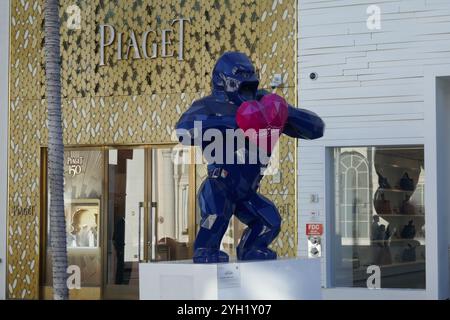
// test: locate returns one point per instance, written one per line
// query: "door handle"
(141, 205)
(153, 230)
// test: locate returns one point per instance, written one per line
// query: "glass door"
(172, 204)
(126, 214)
(150, 213)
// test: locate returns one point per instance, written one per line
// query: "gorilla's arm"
(301, 123)
(197, 119)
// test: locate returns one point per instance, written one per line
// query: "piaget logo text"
(151, 44)
(75, 166)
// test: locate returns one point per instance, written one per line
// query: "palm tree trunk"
(55, 150)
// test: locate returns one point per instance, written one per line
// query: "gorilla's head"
(235, 75)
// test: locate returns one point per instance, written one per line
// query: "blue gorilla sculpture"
(231, 188)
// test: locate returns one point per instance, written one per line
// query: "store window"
(127, 205)
(379, 217)
(83, 192)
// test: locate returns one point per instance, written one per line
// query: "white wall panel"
(371, 83)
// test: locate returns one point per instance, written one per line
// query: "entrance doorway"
(150, 215)
(123, 206)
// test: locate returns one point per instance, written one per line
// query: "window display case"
(83, 194)
(379, 216)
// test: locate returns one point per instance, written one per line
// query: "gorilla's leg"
(216, 209)
(263, 225)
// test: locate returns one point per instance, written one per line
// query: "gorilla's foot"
(256, 254)
(206, 255)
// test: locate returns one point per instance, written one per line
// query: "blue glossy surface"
(235, 192)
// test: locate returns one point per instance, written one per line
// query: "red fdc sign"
(314, 229)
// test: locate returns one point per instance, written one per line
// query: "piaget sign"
(75, 166)
(151, 44)
(23, 211)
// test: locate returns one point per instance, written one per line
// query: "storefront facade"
(377, 73)
(128, 73)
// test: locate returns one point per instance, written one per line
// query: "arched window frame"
(359, 164)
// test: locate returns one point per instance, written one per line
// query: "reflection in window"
(126, 198)
(83, 178)
(355, 200)
(171, 193)
(379, 216)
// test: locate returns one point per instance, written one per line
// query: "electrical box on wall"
(277, 80)
(276, 178)
(314, 246)
(314, 198)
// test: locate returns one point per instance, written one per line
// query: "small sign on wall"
(314, 232)
(23, 211)
(314, 229)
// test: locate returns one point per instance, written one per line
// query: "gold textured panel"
(27, 57)
(277, 30)
(133, 101)
(229, 25)
(123, 120)
(84, 77)
(23, 230)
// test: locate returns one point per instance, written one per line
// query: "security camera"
(313, 76)
(277, 81)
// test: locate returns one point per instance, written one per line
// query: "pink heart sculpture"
(266, 117)
(276, 110)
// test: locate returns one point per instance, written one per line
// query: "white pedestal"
(283, 279)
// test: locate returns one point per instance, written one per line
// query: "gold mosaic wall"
(133, 101)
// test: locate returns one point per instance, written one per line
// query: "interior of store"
(380, 216)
